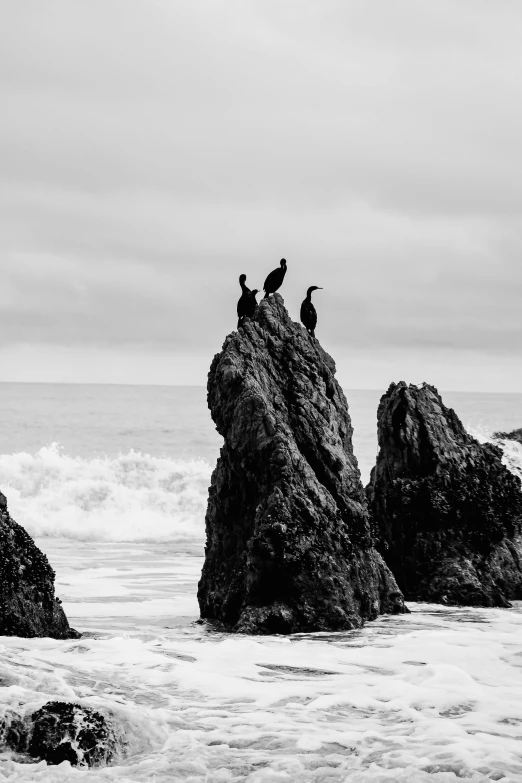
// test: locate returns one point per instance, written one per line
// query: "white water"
(128, 497)
(131, 497)
(404, 697)
(512, 458)
(431, 696)
(435, 695)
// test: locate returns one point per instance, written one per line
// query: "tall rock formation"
(289, 546)
(448, 514)
(28, 606)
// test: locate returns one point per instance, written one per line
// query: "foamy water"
(131, 497)
(512, 457)
(431, 696)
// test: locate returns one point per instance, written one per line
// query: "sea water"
(112, 484)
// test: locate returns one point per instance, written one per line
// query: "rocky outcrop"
(447, 513)
(28, 606)
(289, 546)
(513, 435)
(61, 731)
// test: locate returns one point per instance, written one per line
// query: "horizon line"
(202, 386)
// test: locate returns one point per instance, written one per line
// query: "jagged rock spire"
(289, 546)
(447, 511)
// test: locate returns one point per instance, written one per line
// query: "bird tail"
(266, 295)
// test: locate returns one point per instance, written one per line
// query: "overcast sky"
(153, 150)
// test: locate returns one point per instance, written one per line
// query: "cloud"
(156, 150)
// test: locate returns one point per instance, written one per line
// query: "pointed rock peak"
(289, 545)
(416, 428)
(447, 511)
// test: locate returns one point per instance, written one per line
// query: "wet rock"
(289, 546)
(61, 731)
(514, 435)
(28, 606)
(447, 513)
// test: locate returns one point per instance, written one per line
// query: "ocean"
(111, 481)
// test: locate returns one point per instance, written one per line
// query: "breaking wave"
(131, 497)
(512, 457)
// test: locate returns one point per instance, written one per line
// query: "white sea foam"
(132, 497)
(512, 457)
(431, 696)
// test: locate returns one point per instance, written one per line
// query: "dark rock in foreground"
(289, 546)
(514, 435)
(28, 606)
(448, 514)
(60, 731)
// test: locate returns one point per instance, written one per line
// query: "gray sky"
(152, 150)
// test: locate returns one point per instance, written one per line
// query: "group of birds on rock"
(247, 301)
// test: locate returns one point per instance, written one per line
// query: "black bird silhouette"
(275, 279)
(308, 313)
(247, 301)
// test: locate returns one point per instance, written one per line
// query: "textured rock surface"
(514, 435)
(289, 546)
(448, 514)
(28, 606)
(61, 731)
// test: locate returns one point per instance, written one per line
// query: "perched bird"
(275, 279)
(308, 313)
(247, 301)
